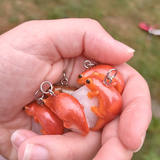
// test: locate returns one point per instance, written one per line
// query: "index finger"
(69, 38)
(40, 50)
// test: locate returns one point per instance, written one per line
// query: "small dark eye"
(80, 76)
(88, 81)
(24, 108)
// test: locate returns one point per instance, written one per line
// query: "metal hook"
(49, 91)
(109, 77)
(87, 64)
(64, 80)
(39, 100)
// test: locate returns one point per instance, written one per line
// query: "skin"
(110, 101)
(31, 54)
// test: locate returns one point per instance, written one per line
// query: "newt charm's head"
(80, 79)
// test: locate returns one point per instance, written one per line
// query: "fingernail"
(142, 141)
(17, 138)
(129, 49)
(35, 152)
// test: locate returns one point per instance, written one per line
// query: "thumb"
(71, 145)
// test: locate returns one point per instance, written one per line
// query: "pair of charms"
(90, 107)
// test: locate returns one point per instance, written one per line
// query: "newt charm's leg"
(92, 94)
(36, 119)
(96, 111)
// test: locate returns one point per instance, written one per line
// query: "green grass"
(120, 19)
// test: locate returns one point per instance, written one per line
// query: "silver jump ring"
(35, 95)
(109, 77)
(114, 69)
(64, 82)
(41, 87)
(51, 92)
(39, 100)
(87, 64)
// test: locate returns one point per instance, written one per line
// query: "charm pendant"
(100, 94)
(50, 122)
(106, 73)
(64, 86)
(90, 107)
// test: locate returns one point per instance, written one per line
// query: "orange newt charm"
(101, 71)
(110, 100)
(42, 114)
(68, 108)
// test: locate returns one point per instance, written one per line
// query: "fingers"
(126, 134)
(45, 44)
(34, 52)
(19, 136)
(136, 115)
(71, 146)
(112, 147)
(49, 40)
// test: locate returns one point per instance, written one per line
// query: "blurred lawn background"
(120, 19)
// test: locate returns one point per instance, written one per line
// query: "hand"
(38, 51)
